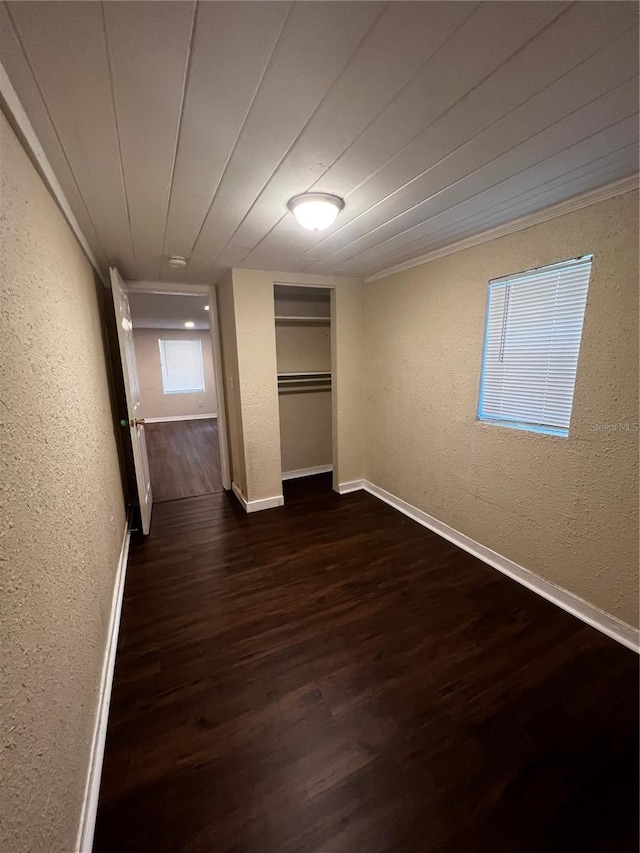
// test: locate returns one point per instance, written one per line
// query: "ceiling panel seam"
(55, 129)
(619, 187)
(300, 133)
(515, 223)
(452, 233)
(367, 126)
(473, 172)
(15, 114)
(437, 118)
(105, 34)
(185, 83)
(324, 261)
(528, 194)
(242, 126)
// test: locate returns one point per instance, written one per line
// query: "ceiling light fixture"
(206, 307)
(177, 262)
(315, 211)
(189, 324)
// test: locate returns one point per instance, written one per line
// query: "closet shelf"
(284, 318)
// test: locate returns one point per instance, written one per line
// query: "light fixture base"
(315, 211)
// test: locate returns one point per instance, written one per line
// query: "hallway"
(184, 458)
(331, 677)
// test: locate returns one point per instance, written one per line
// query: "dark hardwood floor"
(330, 677)
(184, 458)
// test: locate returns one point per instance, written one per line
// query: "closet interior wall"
(303, 346)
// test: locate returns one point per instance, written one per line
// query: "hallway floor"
(330, 677)
(184, 458)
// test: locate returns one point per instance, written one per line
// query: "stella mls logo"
(620, 426)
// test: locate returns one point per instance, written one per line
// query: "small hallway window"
(182, 368)
(532, 341)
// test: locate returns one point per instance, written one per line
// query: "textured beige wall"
(61, 512)
(566, 509)
(157, 404)
(349, 425)
(305, 430)
(257, 379)
(229, 347)
(301, 302)
(301, 347)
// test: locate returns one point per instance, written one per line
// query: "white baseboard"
(236, 491)
(179, 418)
(84, 842)
(259, 505)
(306, 472)
(350, 486)
(265, 503)
(589, 613)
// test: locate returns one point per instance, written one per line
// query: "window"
(532, 340)
(182, 370)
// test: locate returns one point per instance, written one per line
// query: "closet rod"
(282, 318)
(285, 391)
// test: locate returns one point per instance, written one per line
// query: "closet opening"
(305, 370)
(176, 374)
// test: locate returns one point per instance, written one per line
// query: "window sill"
(559, 432)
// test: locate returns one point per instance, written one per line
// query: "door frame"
(211, 291)
(126, 347)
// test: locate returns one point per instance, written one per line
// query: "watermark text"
(619, 426)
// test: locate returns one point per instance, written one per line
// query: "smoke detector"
(177, 262)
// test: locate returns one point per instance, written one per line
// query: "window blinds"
(182, 370)
(532, 340)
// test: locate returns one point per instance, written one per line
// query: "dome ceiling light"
(315, 211)
(177, 262)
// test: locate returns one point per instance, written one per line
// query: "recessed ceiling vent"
(177, 262)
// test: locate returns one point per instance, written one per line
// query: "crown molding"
(616, 188)
(12, 107)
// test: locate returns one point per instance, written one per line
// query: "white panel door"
(132, 390)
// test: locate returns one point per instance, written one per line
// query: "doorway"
(303, 325)
(175, 362)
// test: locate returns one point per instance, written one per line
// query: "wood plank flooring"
(330, 677)
(184, 458)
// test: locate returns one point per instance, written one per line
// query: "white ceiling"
(182, 128)
(167, 311)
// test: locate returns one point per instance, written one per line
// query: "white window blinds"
(182, 370)
(532, 340)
